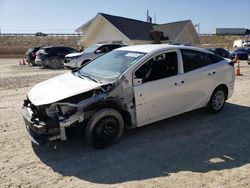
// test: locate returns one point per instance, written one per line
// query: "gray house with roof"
(104, 28)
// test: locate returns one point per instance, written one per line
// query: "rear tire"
(217, 101)
(104, 128)
(55, 63)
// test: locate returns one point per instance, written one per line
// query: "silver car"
(75, 60)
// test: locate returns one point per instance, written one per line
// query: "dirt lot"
(191, 150)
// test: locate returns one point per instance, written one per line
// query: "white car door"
(156, 88)
(197, 77)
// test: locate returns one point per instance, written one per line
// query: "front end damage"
(48, 122)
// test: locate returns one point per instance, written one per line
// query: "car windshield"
(111, 65)
(91, 49)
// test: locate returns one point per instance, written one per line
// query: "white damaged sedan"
(129, 87)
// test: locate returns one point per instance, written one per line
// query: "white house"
(104, 28)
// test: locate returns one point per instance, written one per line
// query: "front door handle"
(182, 82)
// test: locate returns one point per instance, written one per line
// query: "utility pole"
(149, 18)
(147, 15)
(198, 27)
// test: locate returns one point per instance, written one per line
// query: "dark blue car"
(219, 51)
(242, 53)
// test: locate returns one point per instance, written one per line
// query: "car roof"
(100, 44)
(147, 48)
(56, 47)
(240, 49)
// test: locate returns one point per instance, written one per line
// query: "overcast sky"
(65, 16)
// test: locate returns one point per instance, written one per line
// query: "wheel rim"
(54, 61)
(218, 100)
(107, 129)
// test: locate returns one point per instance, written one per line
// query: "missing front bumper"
(36, 131)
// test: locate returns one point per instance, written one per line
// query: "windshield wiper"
(89, 77)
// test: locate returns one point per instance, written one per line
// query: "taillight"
(33, 54)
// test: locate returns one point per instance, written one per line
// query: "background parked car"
(52, 56)
(246, 43)
(219, 51)
(76, 60)
(30, 55)
(242, 53)
(40, 34)
(241, 43)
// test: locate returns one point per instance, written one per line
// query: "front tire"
(85, 62)
(217, 101)
(104, 128)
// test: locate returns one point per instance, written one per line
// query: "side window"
(161, 66)
(215, 58)
(192, 60)
(104, 49)
(64, 51)
(58, 49)
(113, 46)
(70, 50)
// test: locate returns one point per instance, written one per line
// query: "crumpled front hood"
(60, 87)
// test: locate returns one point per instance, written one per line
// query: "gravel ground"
(190, 150)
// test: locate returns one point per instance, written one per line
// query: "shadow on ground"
(193, 141)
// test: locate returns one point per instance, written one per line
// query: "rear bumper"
(39, 62)
(29, 60)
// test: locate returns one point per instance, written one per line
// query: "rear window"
(47, 49)
(35, 49)
(30, 49)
